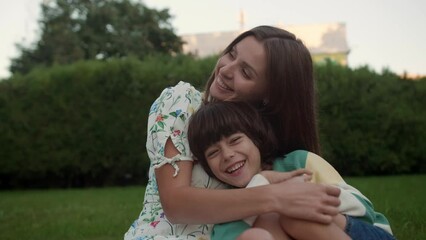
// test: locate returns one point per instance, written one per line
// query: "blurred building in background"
(324, 41)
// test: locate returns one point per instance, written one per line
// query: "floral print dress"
(168, 117)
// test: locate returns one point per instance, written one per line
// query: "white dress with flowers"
(168, 117)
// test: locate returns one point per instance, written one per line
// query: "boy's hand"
(299, 175)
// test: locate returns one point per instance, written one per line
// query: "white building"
(323, 41)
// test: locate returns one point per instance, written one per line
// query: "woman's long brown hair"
(291, 100)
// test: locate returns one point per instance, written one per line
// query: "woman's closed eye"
(246, 73)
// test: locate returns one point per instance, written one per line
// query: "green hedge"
(85, 124)
(371, 124)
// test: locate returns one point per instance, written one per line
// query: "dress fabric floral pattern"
(168, 117)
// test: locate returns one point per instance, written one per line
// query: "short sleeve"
(168, 117)
(229, 230)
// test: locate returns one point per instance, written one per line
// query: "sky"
(380, 33)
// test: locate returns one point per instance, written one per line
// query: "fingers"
(300, 172)
(324, 213)
(330, 204)
(332, 191)
(302, 175)
(323, 218)
(333, 201)
(277, 177)
(314, 215)
(327, 204)
(308, 201)
(297, 179)
(330, 210)
(307, 177)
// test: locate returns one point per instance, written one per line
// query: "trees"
(73, 30)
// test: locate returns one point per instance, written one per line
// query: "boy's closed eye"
(211, 152)
(235, 138)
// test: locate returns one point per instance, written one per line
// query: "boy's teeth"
(235, 167)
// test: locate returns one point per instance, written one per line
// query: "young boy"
(234, 144)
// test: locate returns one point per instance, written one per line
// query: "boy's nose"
(229, 153)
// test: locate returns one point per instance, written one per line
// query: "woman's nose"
(227, 70)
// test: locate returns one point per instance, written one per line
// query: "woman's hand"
(300, 175)
(308, 201)
(299, 199)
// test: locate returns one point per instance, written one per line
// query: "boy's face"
(234, 159)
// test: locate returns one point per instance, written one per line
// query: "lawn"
(107, 213)
(402, 199)
(104, 213)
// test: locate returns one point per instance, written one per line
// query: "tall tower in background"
(241, 20)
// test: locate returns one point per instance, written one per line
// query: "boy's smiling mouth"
(236, 166)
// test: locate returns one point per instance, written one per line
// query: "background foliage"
(371, 123)
(84, 124)
(74, 112)
(73, 30)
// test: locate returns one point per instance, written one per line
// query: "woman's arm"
(185, 204)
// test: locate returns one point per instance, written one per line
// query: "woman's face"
(240, 73)
(234, 159)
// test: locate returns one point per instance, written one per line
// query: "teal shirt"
(353, 202)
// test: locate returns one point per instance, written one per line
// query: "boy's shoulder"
(291, 161)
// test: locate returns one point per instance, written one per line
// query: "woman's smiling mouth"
(222, 85)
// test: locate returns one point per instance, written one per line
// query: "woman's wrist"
(271, 198)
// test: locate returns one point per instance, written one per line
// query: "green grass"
(108, 212)
(104, 213)
(402, 199)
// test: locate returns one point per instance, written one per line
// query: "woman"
(270, 68)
